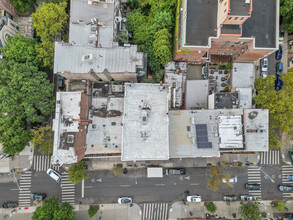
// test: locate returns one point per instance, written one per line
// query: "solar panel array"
(202, 136)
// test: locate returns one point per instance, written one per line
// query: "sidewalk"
(224, 209)
(106, 211)
(287, 144)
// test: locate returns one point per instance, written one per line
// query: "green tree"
(53, 1)
(21, 50)
(51, 209)
(162, 46)
(163, 20)
(26, 99)
(45, 53)
(93, 210)
(135, 19)
(211, 207)
(23, 6)
(279, 103)
(286, 8)
(216, 178)
(14, 136)
(250, 211)
(49, 20)
(42, 138)
(77, 172)
(281, 206)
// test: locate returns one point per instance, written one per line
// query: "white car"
(124, 200)
(264, 64)
(232, 180)
(52, 173)
(194, 198)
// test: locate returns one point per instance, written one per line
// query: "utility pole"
(12, 172)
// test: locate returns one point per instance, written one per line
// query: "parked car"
(177, 171)
(230, 198)
(61, 83)
(285, 188)
(38, 196)
(124, 200)
(281, 36)
(279, 53)
(290, 177)
(264, 64)
(250, 186)
(232, 180)
(246, 197)
(194, 198)
(10, 204)
(55, 175)
(279, 67)
(278, 83)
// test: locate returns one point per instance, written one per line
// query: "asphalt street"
(103, 187)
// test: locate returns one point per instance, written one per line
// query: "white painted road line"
(160, 184)
(194, 184)
(124, 185)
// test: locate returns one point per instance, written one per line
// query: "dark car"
(279, 53)
(177, 171)
(250, 186)
(279, 67)
(10, 204)
(38, 196)
(61, 83)
(285, 188)
(246, 197)
(278, 83)
(230, 198)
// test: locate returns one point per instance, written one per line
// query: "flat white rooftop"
(145, 122)
(243, 75)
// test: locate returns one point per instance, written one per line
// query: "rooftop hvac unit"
(87, 57)
(93, 2)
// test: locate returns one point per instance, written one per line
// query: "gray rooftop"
(239, 7)
(262, 24)
(245, 97)
(145, 123)
(225, 131)
(114, 60)
(201, 21)
(256, 129)
(243, 75)
(196, 94)
(67, 109)
(81, 14)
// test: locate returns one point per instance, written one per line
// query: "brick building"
(6, 8)
(226, 30)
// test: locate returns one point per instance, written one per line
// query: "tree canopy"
(21, 50)
(286, 8)
(279, 103)
(77, 172)
(26, 100)
(53, 210)
(49, 21)
(42, 138)
(23, 6)
(148, 18)
(211, 207)
(249, 211)
(216, 178)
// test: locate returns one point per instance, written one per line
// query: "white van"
(52, 173)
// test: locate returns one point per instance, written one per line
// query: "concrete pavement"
(224, 209)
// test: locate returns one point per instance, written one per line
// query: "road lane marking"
(124, 185)
(160, 184)
(194, 184)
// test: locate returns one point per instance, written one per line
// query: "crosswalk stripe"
(270, 157)
(154, 211)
